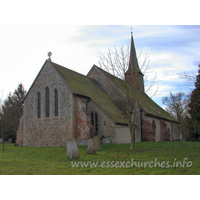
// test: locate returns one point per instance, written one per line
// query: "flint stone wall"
(52, 131)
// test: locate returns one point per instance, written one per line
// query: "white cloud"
(24, 49)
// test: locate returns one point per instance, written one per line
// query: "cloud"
(23, 50)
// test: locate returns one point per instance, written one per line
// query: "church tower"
(134, 75)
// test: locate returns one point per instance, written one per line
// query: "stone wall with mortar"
(163, 131)
(83, 126)
(156, 136)
(135, 79)
(148, 134)
(48, 131)
(122, 134)
(105, 123)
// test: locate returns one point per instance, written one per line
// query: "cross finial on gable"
(49, 54)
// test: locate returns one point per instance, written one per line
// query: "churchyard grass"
(48, 160)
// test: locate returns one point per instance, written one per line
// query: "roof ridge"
(109, 73)
(70, 70)
(78, 89)
(169, 117)
(84, 85)
(119, 79)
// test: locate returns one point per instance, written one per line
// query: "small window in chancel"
(56, 102)
(47, 102)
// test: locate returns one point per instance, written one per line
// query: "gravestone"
(72, 148)
(1, 140)
(96, 143)
(90, 149)
(106, 141)
(10, 140)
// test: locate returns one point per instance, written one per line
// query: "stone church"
(62, 103)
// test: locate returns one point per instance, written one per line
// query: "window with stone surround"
(38, 105)
(96, 123)
(56, 102)
(92, 118)
(47, 102)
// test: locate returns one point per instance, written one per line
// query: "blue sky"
(171, 49)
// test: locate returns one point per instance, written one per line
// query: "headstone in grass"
(106, 141)
(10, 140)
(72, 148)
(91, 149)
(96, 143)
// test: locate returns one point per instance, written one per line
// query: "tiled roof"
(145, 102)
(89, 87)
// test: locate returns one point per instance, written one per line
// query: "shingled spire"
(134, 75)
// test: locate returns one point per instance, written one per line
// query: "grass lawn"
(44, 160)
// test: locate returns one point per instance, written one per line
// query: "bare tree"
(189, 78)
(117, 62)
(177, 105)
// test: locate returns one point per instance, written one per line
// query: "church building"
(62, 104)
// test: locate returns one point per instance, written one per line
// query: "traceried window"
(38, 105)
(56, 102)
(47, 102)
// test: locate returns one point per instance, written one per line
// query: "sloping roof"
(89, 87)
(145, 102)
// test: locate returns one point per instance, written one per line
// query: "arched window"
(92, 118)
(154, 128)
(47, 102)
(96, 123)
(38, 105)
(56, 102)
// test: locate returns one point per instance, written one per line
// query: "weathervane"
(49, 54)
(131, 31)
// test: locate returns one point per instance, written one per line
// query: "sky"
(171, 49)
(77, 31)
